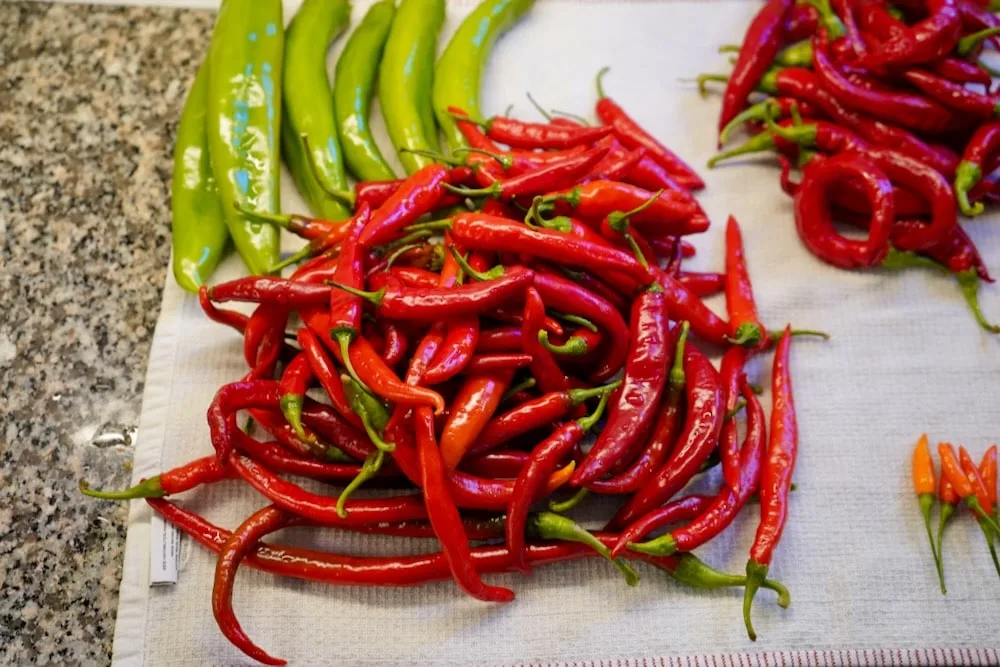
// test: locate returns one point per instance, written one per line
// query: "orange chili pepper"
(926, 486)
(471, 409)
(967, 482)
(988, 472)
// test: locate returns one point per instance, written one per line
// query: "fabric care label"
(164, 552)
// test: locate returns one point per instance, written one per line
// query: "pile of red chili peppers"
(961, 480)
(891, 117)
(466, 374)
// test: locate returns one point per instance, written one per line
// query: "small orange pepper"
(925, 484)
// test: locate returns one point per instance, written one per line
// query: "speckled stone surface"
(89, 101)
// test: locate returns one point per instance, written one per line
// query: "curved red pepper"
(544, 368)
(983, 146)
(682, 509)
(325, 372)
(745, 327)
(703, 284)
(418, 195)
(954, 95)
(519, 134)
(928, 40)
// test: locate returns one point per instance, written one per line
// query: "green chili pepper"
(198, 223)
(244, 118)
(353, 86)
(308, 111)
(405, 79)
(458, 72)
(372, 412)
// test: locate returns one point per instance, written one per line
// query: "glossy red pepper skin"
(546, 178)
(954, 95)
(243, 540)
(228, 400)
(444, 517)
(703, 284)
(494, 363)
(696, 442)
(544, 369)
(633, 136)
(471, 409)
(230, 318)
(267, 289)
(672, 213)
(536, 413)
(686, 305)
(779, 461)
(418, 195)
(760, 45)
(633, 412)
(928, 40)
(801, 23)
(805, 85)
(744, 322)
(682, 509)
(505, 464)
(461, 338)
(396, 343)
(326, 373)
(813, 218)
(617, 164)
(520, 134)
(913, 111)
(957, 252)
(275, 458)
(483, 232)
(377, 376)
(276, 424)
(531, 482)
(505, 339)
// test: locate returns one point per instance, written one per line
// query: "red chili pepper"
(685, 305)
(507, 315)
(554, 176)
(761, 44)
(231, 398)
(205, 470)
(744, 323)
(325, 372)
(682, 509)
(805, 85)
(696, 442)
(344, 308)
(306, 445)
(374, 374)
(471, 409)
(396, 343)
(520, 134)
(240, 543)
(323, 508)
(530, 483)
(482, 232)
(669, 214)
(506, 464)
(926, 41)
(506, 339)
(730, 500)
(295, 381)
(801, 23)
(544, 369)
(913, 111)
(230, 318)
(633, 412)
(617, 164)
(965, 479)
(633, 137)
(701, 284)
(493, 363)
(418, 195)
(536, 413)
(444, 515)
(398, 302)
(776, 475)
(460, 340)
(269, 290)
(983, 145)
(274, 457)
(650, 175)
(815, 224)
(663, 435)
(954, 95)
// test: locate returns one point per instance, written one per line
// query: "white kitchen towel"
(905, 357)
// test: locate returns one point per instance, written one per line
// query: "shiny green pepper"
(405, 78)
(308, 106)
(460, 68)
(244, 119)
(353, 86)
(197, 222)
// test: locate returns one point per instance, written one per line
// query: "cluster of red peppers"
(466, 373)
(961, 480)
(890, 116)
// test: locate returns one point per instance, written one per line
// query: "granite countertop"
(89, 102)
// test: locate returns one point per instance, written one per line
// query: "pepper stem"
(757, 144)
(756, 573)
(360, 403)
(990, 544)
(434, 155)
(703, 79)
(370, 468)
(677, 377)
(419, 235)
(572, 116)
(147, 488)
(587, 422)
(967, 176)
(291, 407)
(560, 223)
(757, 112)
(748, 334)
(947, 509)
(432, 225)
(538, 107)
(600, 84)
(577, 320)
(399, 252)
(926, 502)
(277, 219)
(505, 161)
(664, 545)
(729, 48)
(344, 337)
(982, 514)
(343, 196)
(809, 332)
(519, 387)
(573, 347)
(374, 298)
(303, 253)
(968, 43)
(619, 220)
(551, 526)
(694, 572)
(832, 23)
(492, 190)
(969, 282)
(561, 507)
(904, 259)
(578, 396)
(740, 404)
(494, 273)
